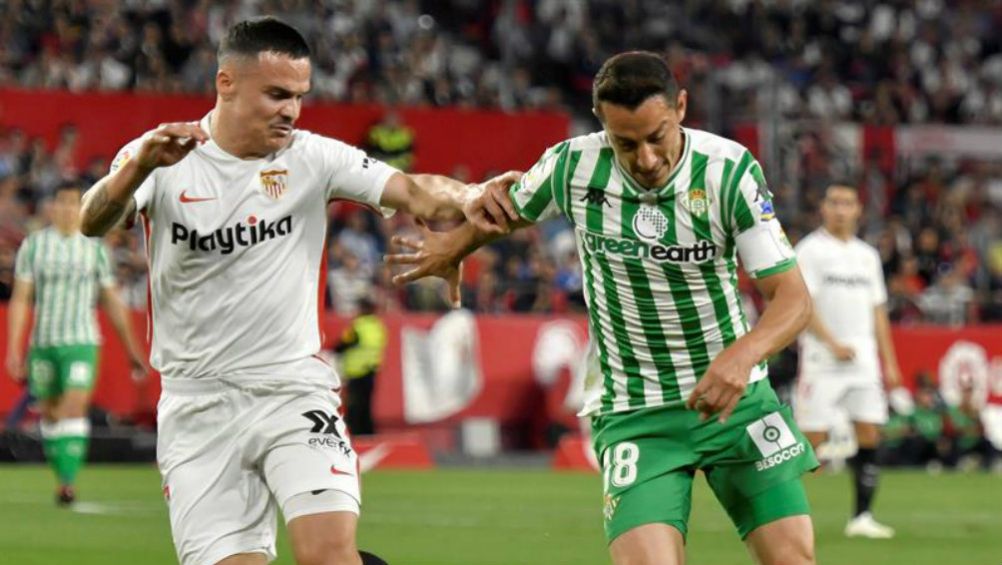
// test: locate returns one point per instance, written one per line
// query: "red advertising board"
(510, 388)
(480, 140)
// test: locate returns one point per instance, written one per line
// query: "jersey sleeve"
(534, 195)
(878, 289)
(144, 194)
(749, 216)
(105, 269)
(25, 259)
(351, 174)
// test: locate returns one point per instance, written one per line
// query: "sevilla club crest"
(275, 182)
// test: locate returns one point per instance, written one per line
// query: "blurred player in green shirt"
(62, 273)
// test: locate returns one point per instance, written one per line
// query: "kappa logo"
(774, 440)
(595, 196)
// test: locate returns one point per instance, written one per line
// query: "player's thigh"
(787, 541)
(305, 448)
(647, 468)
(77, 366)
(74, 403)
(650, 544)
(759, 456)
(324, 538)
(43, 376)
(218, 503)
(817, 401)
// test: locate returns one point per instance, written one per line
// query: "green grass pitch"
(500, 517)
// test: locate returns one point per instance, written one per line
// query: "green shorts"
(54, 370)
(752, 463)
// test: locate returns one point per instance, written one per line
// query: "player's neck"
(66, 230)
(230, 140)
(841, 235)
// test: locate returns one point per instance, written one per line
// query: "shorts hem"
(234, 548)
(789, 513)
(677, 524)
(353, 508)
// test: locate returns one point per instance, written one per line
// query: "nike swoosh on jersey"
(185, 199)
(336, 471)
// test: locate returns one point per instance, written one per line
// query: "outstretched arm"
(436, 197)
(439, 254)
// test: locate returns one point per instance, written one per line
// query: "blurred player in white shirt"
(235, 212)
(848, 335)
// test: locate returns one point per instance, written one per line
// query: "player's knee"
(335, 549)
(798, 551)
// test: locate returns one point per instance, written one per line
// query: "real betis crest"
(650, 222)
(697, 203)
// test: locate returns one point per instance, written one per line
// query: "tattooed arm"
(110, 199)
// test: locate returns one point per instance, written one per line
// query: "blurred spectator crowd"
(878, 61)
(937, 435)
(938, 225)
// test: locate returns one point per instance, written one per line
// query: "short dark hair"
(630, 78)
(840, 183)
(267, 34)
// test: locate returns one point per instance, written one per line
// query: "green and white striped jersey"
(660, 266)
(66, 273)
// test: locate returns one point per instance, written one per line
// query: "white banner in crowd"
(440, 368)
(947, 141)
(560, 345)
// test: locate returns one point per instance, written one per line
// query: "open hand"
(492, 209)
(434, 255)
(169, 143)
(139, 369)
(842, 352)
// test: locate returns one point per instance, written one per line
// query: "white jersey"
(846, 282)
(237, 251)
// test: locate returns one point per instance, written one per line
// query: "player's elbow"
(801, 307)
(89, 227)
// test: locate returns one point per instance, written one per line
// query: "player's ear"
(225, 84)
(597, 113)
(681, 103)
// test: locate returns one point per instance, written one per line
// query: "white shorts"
(231, 457)
(820, 397)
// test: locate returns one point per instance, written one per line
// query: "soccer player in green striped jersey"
(661, 214)
(62, 274)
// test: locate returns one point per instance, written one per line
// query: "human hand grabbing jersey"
(491, 210)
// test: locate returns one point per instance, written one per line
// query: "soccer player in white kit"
(848, 335)
(234, 209)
